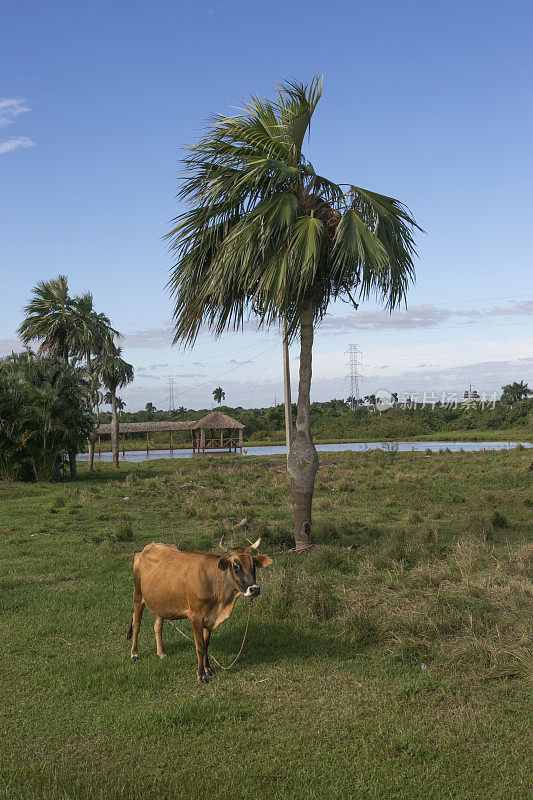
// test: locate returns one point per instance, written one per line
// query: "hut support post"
(123, 445)
(99, 446)
(222, 438)
(240, 440)
(147, 443)
(202, 440)
(171, 443)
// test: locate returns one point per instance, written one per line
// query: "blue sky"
(429, 102)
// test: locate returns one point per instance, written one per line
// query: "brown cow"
(200, 586)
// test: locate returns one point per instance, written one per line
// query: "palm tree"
(264, 234)
(514, 392)
(121, 405)
(218, 395)
(150, 408)
(50, 318)
(95, 334)
(66, 327)
(116, 373)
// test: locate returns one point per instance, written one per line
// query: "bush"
(43, 414)
(499, 520)
(124, 531)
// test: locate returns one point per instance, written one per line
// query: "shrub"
(125, 530)
(499, 520)
(44, 413)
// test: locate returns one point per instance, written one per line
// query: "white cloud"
(7, 346)
(151, 337)
(423, 316)
(10, 109)
(151, 367)
(15, 143)
(524, 307)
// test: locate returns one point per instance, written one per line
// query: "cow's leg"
(138, 608)
(198, 630)
(158, 627)
(207, 667)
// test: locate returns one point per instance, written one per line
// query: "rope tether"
(213, 657)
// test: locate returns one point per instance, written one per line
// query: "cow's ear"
(262, 560)
(223, 563)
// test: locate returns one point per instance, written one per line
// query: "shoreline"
(440, 436)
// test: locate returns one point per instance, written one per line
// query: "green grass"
(398, 668)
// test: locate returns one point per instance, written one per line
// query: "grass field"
(398, 668)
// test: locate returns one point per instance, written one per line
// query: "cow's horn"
(222, 545)
(255, 545)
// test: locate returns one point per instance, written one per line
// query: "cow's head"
(241, 564)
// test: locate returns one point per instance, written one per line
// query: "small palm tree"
(218, 395)
(115, 373)
(266, 235)
(514, 392)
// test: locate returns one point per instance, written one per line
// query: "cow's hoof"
(162, 655)
(135, 658)
(203, 679)
(209, 672)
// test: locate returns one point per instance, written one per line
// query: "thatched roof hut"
(215, 431)
(216, 420)
(148, 427)
(208, 433)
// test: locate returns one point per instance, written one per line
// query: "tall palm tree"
(95, 335)
(219, 395)
(265, 234)
(115, 373)
(67, 327)
(51, 318)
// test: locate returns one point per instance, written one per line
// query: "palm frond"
(264, 233)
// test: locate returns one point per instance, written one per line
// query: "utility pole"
(353, 365)
(287, 385)
(170, 392)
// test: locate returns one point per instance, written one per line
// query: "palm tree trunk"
(72, 465)
(303, 458)
(90, 460)
(114, 429)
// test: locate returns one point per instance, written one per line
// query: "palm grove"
(265, 235)
(49, 399)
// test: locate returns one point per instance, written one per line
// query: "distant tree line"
(334, 418)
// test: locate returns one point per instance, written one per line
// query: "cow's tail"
(130, 631)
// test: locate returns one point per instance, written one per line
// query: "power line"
(170, 392)
(261, 377)
(353, 365)
(172, 351)
(221, 375)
